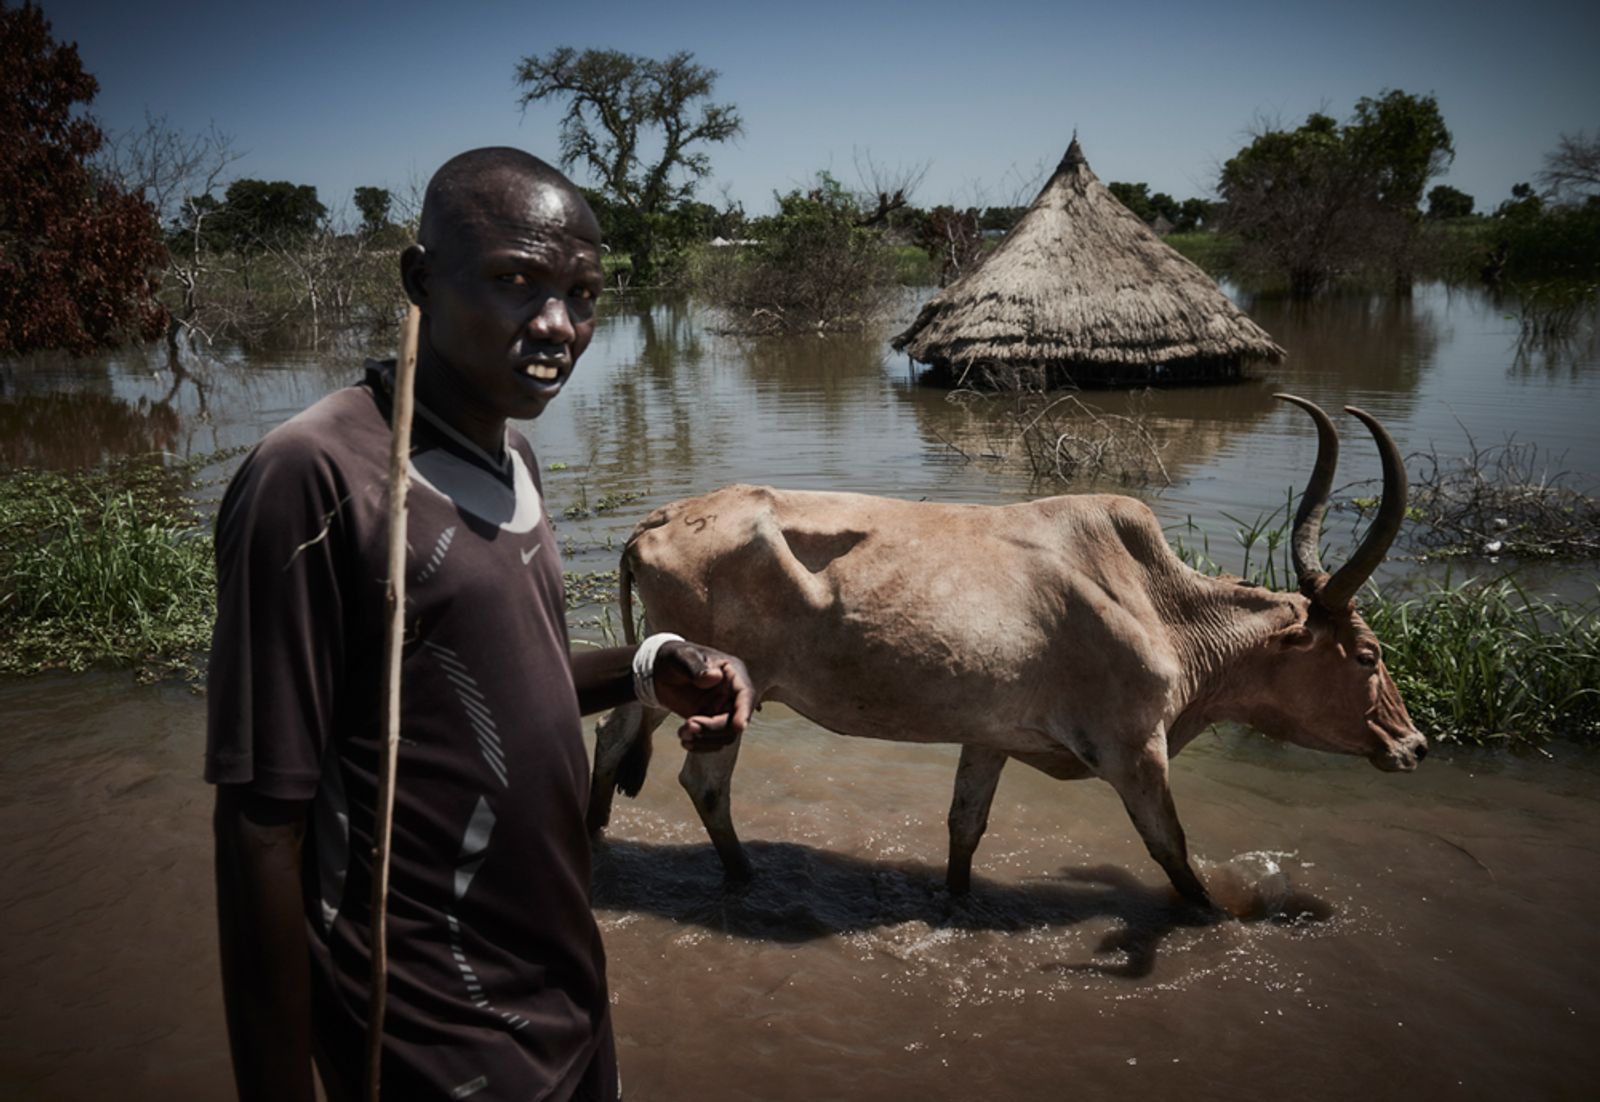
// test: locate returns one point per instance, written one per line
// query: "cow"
(1062, 632)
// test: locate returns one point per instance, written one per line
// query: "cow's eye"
(1367, 657)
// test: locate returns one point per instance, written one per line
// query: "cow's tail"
(635, 764)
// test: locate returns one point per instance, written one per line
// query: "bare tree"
(1020, 186)
(618, 102)
(178, 174)
(167, 166)
(884, 190)
(1572, 168)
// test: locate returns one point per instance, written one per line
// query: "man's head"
(506, 271)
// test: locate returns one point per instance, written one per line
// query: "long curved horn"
(1350, 577)
(1306, 535)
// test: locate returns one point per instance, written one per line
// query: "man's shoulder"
(321, 454)
(343, 427)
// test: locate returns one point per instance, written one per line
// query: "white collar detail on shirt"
(514, 508)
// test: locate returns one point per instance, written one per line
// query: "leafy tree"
(1551, 251)
(1193, 214)
(1322, 199)
(1136, 197)
(1182, 217)
(617, 106)
(1445, 201)
(373, 204)
(817, 267)
(1524, 204)
(1402, 141)
(79, 257)
(257, 214)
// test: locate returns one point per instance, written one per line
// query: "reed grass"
(1485, 663)
(106, 567)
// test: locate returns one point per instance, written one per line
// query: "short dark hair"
(466, 180)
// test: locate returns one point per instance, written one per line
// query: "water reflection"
(1185, 428)
(1369, 342)
(1554, 356)
(73, 431)
(664, 404)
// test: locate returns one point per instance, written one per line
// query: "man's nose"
(552, 322)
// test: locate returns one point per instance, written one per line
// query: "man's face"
(512, 297)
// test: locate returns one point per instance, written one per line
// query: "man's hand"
(711, 690)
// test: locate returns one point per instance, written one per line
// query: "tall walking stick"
(405, 371)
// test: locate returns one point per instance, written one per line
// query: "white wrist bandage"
(644, 667)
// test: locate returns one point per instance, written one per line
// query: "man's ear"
(414, 273)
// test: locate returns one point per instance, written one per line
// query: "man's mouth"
(544, 371)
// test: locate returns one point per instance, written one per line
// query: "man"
(496, 975)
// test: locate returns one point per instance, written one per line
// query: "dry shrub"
(1504, 500)
(1061, 438)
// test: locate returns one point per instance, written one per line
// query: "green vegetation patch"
(1487, 664)
(109, 566)
(605, 503)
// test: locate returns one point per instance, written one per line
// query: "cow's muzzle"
(1401, 755)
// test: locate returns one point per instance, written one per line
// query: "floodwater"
(1420, 936)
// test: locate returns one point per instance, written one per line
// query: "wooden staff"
(395, 602)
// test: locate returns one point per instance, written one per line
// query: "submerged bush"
(107, 566)
(814, 266)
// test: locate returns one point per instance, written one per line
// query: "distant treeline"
(106, 238)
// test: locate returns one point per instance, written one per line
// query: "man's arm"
(266, 970)
(710, 689)
(603, 677)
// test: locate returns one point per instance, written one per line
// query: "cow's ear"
(1297, 637)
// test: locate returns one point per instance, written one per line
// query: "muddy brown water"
(1431, 935)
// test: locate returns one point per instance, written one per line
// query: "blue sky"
(343, 94)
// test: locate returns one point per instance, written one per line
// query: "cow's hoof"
(1204, 911)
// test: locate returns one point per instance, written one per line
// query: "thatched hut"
(1083, 293)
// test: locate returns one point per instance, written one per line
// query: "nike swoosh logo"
(527, 556)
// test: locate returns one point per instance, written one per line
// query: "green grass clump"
(111, 566)
(1485, 663)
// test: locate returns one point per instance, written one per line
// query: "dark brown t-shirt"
(496, 974)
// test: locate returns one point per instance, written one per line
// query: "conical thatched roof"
(1082, 288)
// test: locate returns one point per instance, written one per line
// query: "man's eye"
(516, 279)
(585, 293)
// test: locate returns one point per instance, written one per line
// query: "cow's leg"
(707, 777)
(623, 737)
(1141, 780)
(976, 778)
